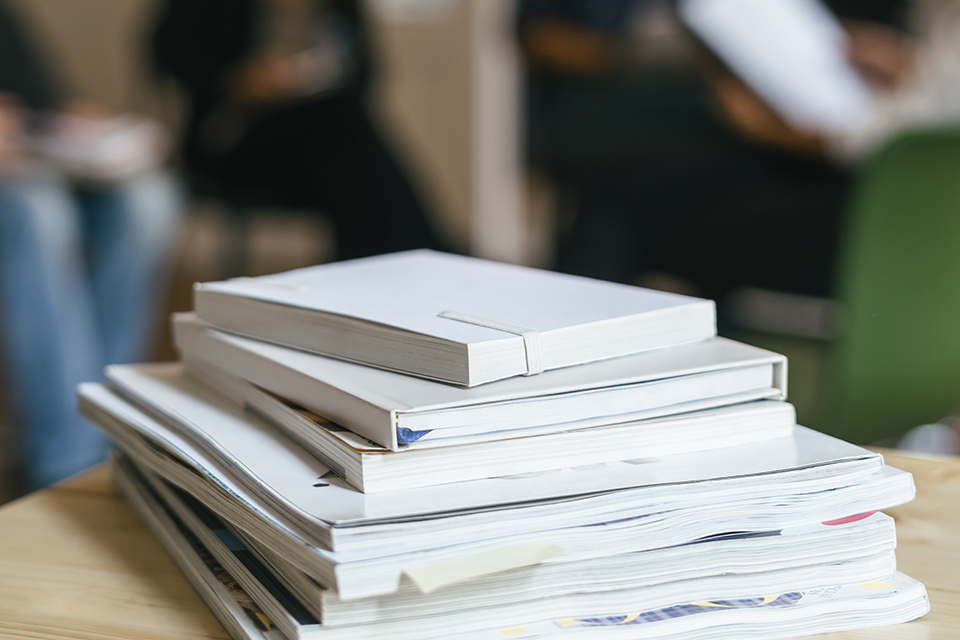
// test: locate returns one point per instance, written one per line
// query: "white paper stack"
(663, 491)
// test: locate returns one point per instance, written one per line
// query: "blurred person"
(921, 92)
(278, 116)
(600, 95)
(619, 134)
(719, 192)
(80, 262)
(769, 209)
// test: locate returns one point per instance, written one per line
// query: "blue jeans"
(80, 276)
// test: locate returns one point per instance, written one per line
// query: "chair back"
(896, 364)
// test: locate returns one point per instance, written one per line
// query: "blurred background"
(599, 137)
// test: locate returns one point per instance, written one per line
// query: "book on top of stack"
(633, 476)
(453, 318)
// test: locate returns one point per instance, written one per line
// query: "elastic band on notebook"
(531, 338)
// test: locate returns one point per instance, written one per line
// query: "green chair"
(895, 363)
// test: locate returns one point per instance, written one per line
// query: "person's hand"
(561, 46)
(883, 56)
(82, 108)
(753, 118)
(268, 79)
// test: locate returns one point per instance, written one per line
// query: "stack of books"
(421, 445)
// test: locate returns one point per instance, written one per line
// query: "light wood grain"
(928, 549)
(76, 562)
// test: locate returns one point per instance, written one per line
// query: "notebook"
(395, 410)
(451, 318)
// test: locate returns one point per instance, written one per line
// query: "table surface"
(76, 562)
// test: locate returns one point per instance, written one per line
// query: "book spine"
(347, 410)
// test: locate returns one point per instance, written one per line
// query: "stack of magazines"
(421, 445)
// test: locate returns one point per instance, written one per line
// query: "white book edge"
(376, 404)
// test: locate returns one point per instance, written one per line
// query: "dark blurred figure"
(278, 117)
(81, 259)
(704, 184)
(600, 122)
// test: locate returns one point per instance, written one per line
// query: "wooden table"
(76, 562)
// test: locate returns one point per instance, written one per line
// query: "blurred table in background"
(76, 562)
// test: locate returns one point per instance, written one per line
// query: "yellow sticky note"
(513, 631)
(429, 577)
(876, 586)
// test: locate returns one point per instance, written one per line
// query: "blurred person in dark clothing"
(599, 123)
(81, 264)
(718, 191)
(278, 116)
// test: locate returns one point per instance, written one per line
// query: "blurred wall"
(450, 93)
(424, 97)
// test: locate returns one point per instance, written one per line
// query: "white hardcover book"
(461, 320)
(394, 410)
(253, 476)
(792, 53)
(372, 468)
(730, 612)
